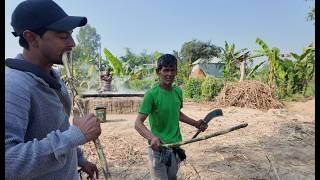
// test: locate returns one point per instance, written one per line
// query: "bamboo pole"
(205, 137)
(97, 143)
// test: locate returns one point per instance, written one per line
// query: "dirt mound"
(248, 93)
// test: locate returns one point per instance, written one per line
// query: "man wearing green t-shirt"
(162, 103)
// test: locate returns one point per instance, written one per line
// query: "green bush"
(310, 90)
(210, 87)
(192, 88)
(139, 84)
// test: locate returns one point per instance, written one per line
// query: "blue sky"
(164, 25)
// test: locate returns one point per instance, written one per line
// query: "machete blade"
(212, 114)
(209, 117)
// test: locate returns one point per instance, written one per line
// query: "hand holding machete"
(209, 117)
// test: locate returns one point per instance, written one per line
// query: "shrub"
(140, 84)
(192, 88)
(210, 87)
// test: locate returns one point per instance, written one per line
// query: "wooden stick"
(205, 137)
(97, 143)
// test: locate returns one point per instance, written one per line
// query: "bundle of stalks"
(248, 93)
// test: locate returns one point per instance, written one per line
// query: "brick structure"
(114, 105)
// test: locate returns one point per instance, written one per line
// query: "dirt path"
(281, 137)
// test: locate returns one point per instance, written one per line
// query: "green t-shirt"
(163, 108)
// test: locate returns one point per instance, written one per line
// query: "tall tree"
(88, 42)
(195, 49)
(85, 59)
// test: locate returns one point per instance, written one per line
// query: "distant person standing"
(106, 80)
(40, 144)
(163, 103)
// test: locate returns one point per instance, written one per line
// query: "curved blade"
(209, 117)
(212, 114)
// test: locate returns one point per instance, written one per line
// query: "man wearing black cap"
(39, 141)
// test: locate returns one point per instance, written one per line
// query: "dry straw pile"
(248, 93)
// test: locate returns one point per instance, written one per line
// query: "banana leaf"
(263, 45)
(114, 62)
(254, 69)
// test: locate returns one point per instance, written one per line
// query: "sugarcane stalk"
(173, 145)
(102, 159)
(97, 143)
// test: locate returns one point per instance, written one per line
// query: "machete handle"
(208, 118)
(195, 135)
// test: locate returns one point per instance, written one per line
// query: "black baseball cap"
(43, 14)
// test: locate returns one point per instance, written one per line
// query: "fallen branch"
(205, 137)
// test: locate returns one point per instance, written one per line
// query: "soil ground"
(277, 142)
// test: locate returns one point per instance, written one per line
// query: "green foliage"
(88, 42)
(139, 85)
(83, 75)
(85, 62)
(253, 71)
(227, 57)
(192, 88)
(289, 76)
(202, 88)
(310, 92)
(210, 87)
(157, 55)
(295, 75)
(273, 60)
(193, 50)
(132, 62)
(310, 89)
(114, 62)
(232, 60)
(184, 68)
(262, 74)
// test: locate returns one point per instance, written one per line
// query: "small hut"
(202, 67)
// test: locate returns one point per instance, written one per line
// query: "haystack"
(248, 93)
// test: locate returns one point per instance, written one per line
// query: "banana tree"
(273, 56)
(115, 63)
(128, 70)
(305, 66)
(233, 59)
(254, 70)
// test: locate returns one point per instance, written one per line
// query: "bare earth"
(278, 142)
